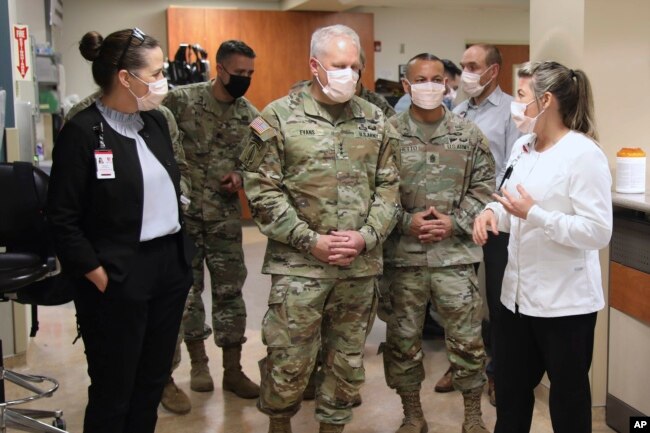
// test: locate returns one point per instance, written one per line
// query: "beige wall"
(628, 363)
(616, 52)
(108, 16)
(557, 31)
(7, 328)
(617, 59)
(611, 42)
(32, 13)
(441, 31)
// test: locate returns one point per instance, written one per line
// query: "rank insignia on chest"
(262, 129)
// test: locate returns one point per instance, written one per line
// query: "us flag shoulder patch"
(262, 129)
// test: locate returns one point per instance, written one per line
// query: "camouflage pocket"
(275, 324)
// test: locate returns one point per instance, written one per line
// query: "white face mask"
(471, 82)
(524, 123)
(341, 84)
(427, 95)
(155, 95)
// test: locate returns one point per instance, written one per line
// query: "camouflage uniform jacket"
(454, 172)
(306, 174)
(175, 134)
(378, 100)
(211, 140)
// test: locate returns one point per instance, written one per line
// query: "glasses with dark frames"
(136, 34)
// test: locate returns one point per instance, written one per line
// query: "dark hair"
(118, 47)
(492, 55)
(570, 87)
(228, 48)
(422, 56)
(451, 68)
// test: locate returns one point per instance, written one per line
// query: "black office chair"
(26, 262)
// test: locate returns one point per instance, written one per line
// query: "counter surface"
(640, 202)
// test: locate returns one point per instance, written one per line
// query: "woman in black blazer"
(114, 209)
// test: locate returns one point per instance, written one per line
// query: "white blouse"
(160, 207)
(553, 265)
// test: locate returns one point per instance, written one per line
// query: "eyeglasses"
(136, 34)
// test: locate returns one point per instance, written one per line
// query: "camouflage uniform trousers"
(305, 313)
(453, 290)
(219, 244)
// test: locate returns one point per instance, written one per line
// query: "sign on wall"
(22, 53)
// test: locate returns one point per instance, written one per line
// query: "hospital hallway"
(51, 353)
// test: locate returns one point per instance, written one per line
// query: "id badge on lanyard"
(103, 156)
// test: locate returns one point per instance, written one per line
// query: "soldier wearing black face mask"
(237, 85)
(214, 116)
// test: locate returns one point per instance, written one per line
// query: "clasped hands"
(339, 248)
(430, 226)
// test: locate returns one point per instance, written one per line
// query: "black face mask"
(237, 86)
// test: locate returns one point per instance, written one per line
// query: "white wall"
(441, 31)
(81, 16)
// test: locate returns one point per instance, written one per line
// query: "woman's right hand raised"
(481, 223)
(99, 278)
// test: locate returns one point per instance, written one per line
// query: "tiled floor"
(51, 353)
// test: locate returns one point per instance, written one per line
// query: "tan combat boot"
(280, 425)
(473, 421)
(445, 384)
(200, 379)
(413, 421)
(174, 399)
(331, 428)
(234, 379)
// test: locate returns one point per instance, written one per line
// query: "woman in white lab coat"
(556, 204)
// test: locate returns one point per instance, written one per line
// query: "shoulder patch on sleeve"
(262, 129)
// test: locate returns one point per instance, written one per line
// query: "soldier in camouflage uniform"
(321, 176)
(381, 102)
(446, 178)
(173, 398)
(369, 95)
(214, 117)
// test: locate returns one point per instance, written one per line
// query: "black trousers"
(495, 257)
(129, 333)
(528, 347)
